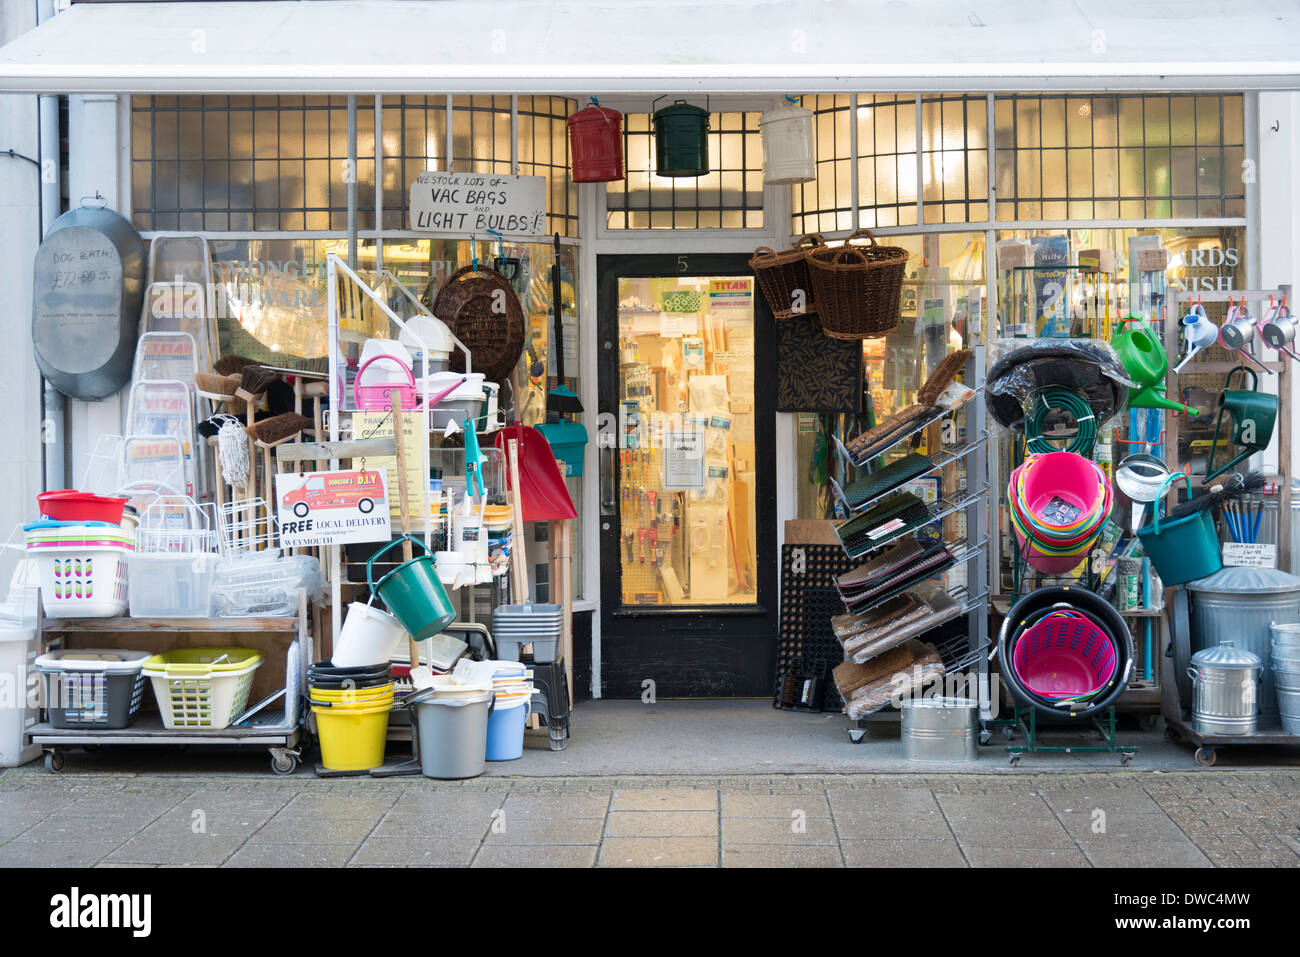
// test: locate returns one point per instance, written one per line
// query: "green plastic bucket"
(1186, 548)
(413, 592)
(681, 140)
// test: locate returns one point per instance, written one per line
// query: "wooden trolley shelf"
(215, 625)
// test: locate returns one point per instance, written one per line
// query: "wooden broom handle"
(518, 565)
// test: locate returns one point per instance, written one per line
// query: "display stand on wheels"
(278, 729)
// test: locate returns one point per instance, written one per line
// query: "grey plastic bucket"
(451, 733)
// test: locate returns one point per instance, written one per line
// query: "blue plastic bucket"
(505, 732)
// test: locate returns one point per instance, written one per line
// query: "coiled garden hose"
(1052, 398)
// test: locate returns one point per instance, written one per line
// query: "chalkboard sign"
(88, 281)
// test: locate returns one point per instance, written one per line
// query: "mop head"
(278, 427)
(232, 448)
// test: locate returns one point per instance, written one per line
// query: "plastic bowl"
(69, 505)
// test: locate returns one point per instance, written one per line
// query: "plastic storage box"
(202, 687)
(92, 688)
(172, 585)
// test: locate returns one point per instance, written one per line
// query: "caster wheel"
(1015, 760)
(985, 737)
(857, 735)
(286, 764)
(1008, 732)
(1148, 722)
(53, 761)
(1126, 759)
(1171, 735)
(1205, 757)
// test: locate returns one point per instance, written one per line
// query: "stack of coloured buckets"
(1059, 504)
(513, 686)
(351, 706)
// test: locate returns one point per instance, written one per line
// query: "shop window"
(944, 289)
(415, 139)
(279, 163)
(729, 196)
(239, 163)
(1119, 157)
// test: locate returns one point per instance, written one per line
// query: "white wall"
(1279, 206)
(20, 382)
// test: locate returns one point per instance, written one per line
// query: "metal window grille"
(729, 196)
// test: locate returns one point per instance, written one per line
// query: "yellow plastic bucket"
(358, 697)
(352, 738)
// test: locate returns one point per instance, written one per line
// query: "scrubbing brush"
(942, 376)
(278, 428)
(1227, 488)
(221, 387)
(227, 365)
(254, 381)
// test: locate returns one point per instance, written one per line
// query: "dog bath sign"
(332, 508)
(478, 202)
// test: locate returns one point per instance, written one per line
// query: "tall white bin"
(18, 710)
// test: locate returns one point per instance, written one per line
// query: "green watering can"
(1144, 360)
(413, 592)
(1253, 416)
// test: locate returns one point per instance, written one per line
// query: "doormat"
(809, 601)
(815, 373)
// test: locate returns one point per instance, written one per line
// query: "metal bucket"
(1242, 604)
(940, 729)
(1225, 690)
(1286, 638)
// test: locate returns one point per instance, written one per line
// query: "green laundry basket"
(1186, 548)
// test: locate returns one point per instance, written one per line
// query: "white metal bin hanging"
(788, 155)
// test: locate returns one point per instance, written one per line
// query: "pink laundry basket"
(1065, 655)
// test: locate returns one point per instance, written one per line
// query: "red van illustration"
(336, 490)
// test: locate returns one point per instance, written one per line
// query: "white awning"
(578, 47)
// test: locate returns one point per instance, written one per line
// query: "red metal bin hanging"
(596, 141)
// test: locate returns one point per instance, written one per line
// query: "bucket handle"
(1164, 490)
(370, 565)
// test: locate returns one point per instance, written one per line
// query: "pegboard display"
(809, 600)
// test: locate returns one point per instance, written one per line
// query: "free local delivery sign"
(477, 202)
(331, 508)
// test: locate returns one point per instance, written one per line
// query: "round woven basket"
(482, 311)
(858, 289)
(782, 275)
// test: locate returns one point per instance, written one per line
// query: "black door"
(688, 490)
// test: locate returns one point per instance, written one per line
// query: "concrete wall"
(20, 232)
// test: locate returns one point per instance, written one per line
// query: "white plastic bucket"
(18, 711)
(368, 637)
(468, 536)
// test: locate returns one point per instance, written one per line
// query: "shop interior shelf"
(215, 625)
(941, 459)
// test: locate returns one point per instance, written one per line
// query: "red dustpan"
(540, 483)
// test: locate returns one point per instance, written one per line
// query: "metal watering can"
(1278, 330)
(1144, 360)
(1254, 415)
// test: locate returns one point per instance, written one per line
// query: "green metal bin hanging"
(682, 140)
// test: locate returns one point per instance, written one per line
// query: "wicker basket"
(781, 274)
(858, 288)
(471, 303)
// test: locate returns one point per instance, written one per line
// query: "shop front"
(718, 428)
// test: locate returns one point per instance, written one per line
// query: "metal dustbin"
(940, 729)
(1241, 603)
(1225, 690)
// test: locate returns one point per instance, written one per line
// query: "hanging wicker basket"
(858, 289)
(783, 277)
(482, 311)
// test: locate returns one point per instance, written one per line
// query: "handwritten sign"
(331, 508)
(1250, 554)
(477, 202)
